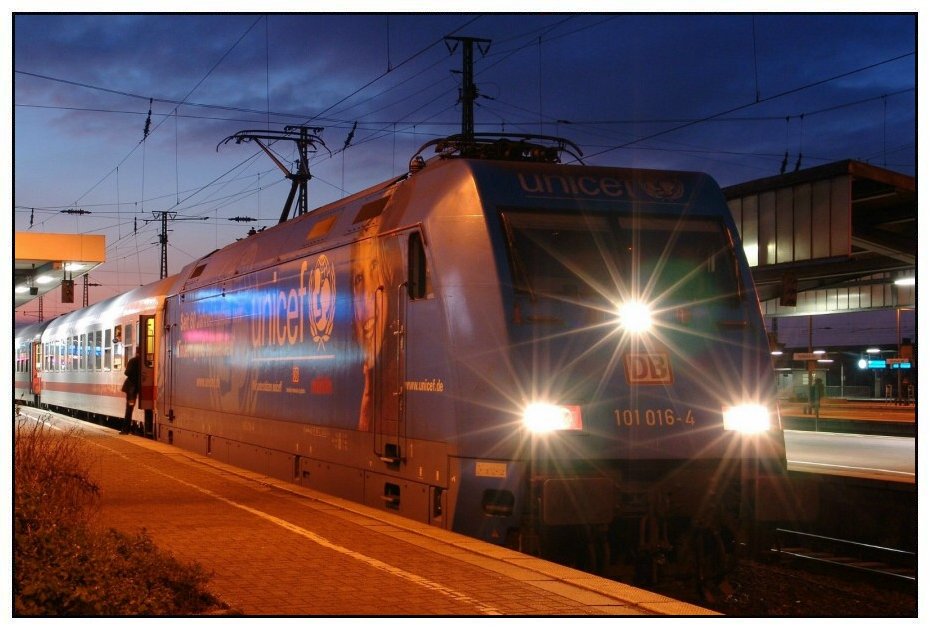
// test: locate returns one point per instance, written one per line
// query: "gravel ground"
(777, 590)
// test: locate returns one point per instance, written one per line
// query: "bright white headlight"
(748, 418)
(635, 317)
(544, 418)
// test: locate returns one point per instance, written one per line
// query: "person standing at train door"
(131, 388)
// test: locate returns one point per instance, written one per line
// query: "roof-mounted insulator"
(416, 164)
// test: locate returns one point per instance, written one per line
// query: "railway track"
(846, 556)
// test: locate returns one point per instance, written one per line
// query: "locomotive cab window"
(682, 261)
(589, 258)
(418, 281)
(560, 255)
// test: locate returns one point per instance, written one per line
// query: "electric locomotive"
(570, 360)
(567, 359)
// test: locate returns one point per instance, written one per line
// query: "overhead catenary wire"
(743, 106)
(687, 122)
(370, 130)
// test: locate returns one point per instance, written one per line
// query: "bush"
(50, 471)
(76, 571)
(62, 565)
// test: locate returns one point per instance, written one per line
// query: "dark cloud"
(723, 94)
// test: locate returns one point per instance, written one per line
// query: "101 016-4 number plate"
(658, 417)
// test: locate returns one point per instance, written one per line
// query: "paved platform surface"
(870, 417)
(277, 549)
(861, 410)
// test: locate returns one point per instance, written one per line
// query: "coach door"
(147, 369)
(36, 370)
(147, 380)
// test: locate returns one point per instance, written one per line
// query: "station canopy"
(842, 236)
(45, 262)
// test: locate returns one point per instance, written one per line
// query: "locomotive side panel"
(307, 358)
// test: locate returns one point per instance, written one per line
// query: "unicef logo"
(322, 287)
(663, 188)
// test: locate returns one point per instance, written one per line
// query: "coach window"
(82, 343)
(117, 347)
(150, 342)
(98, 350)
(107, 349)
(75, 353)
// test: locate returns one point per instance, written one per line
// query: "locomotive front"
(639, 376)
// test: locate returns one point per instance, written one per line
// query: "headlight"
(635, 317)
(544, 418)
(748, 418)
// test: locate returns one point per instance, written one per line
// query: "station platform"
(869, 417)
(277, 549)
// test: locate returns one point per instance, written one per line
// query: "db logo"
(652, 369)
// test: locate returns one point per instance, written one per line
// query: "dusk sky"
(731, 95)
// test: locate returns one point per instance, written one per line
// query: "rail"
(847, 555)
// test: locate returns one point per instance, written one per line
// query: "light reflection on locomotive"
(566, 359)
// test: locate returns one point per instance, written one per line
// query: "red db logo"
(649, 369)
